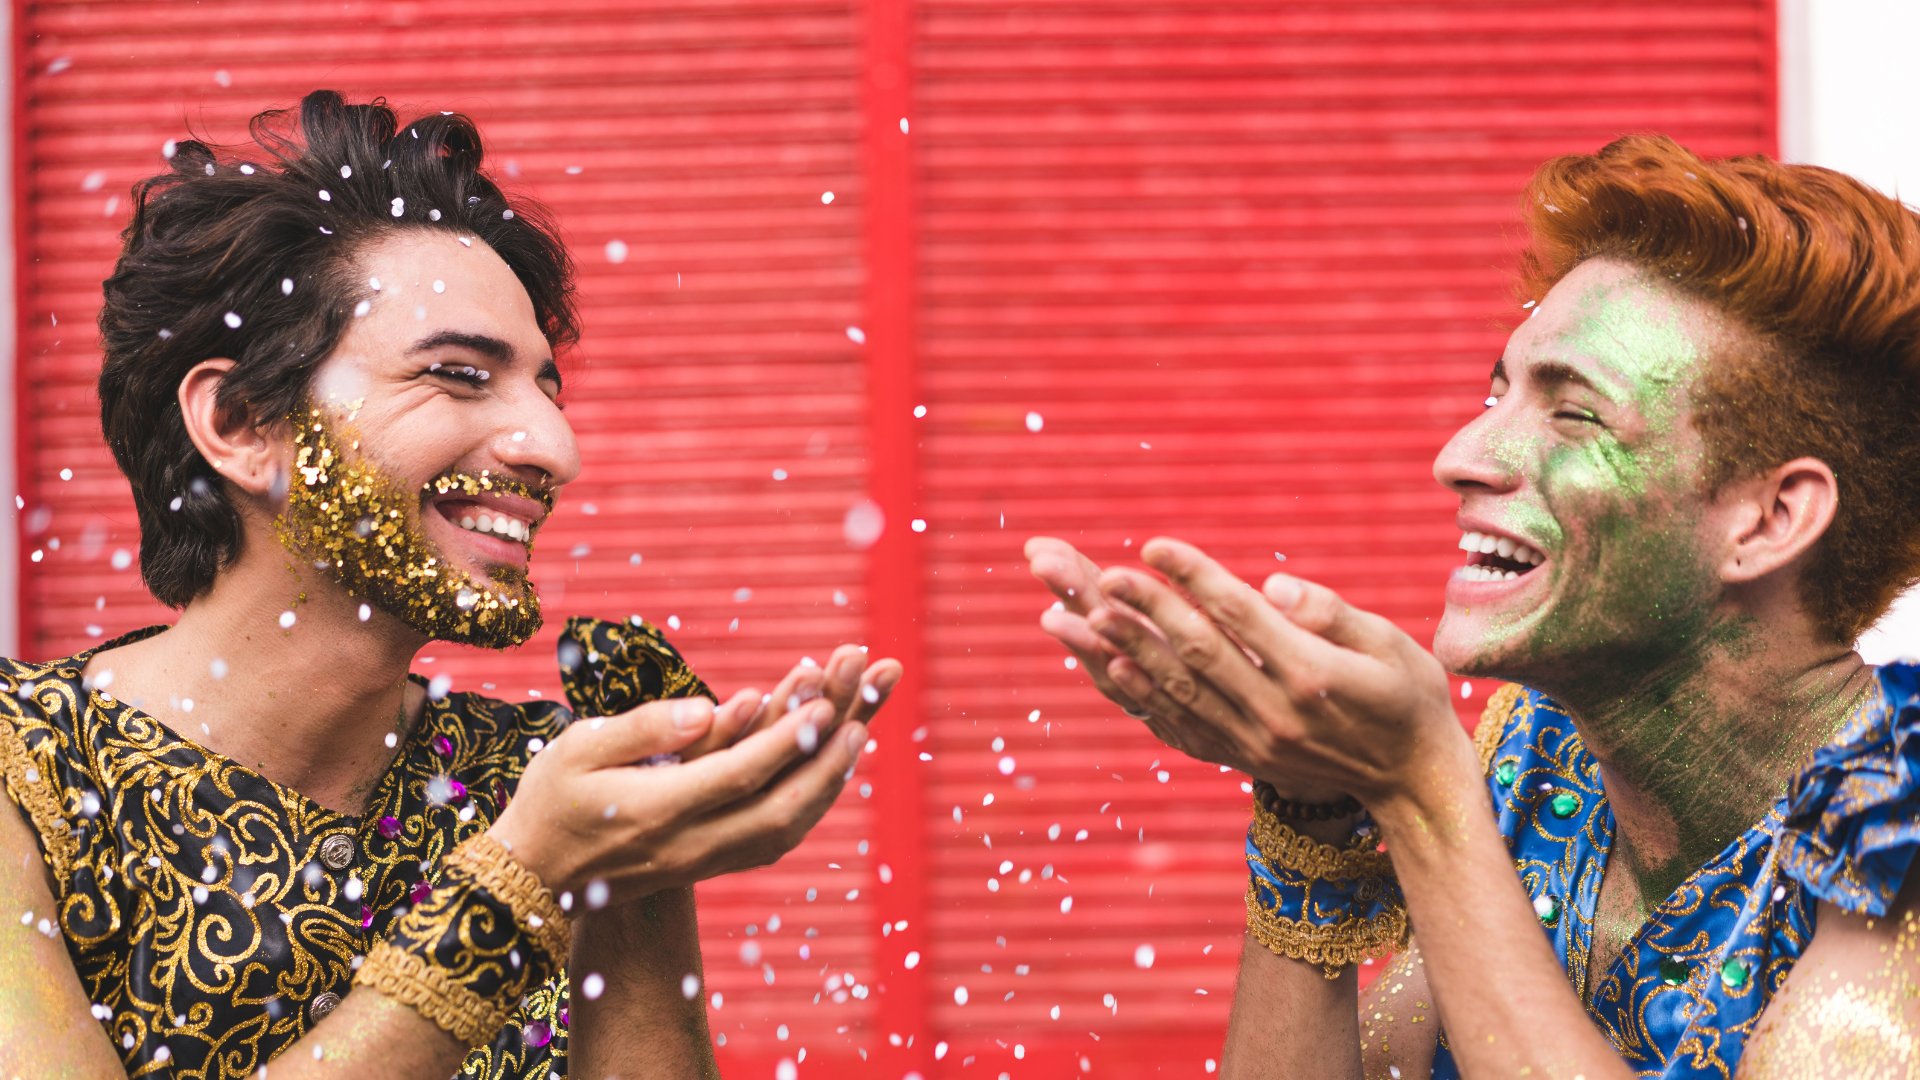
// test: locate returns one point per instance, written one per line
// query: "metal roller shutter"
(699, 135)
(1243, 261)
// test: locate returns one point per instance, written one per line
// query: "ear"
(242, 452)
(1778, 517)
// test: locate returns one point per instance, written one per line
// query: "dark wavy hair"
(1825, 271)
(210, 245)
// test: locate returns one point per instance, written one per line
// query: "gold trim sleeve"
(495, 869)
(431, 992)
(34, 790)
(1288, 850)
(1335, 946)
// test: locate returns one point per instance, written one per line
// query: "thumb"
(634, 736)
(1320, 611)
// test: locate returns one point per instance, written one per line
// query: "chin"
(1469, 649)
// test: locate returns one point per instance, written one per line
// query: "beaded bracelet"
(464, 955)
(1295, 810)
(1327, 905)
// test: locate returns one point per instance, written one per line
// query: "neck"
(1697, 747)
(308, 706)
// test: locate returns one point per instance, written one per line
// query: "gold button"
(337, 851)
(324, 1003)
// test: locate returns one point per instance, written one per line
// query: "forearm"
(643, 1023)
(1502, 1018)
(1289, 1019)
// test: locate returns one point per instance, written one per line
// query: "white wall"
(1848, 87)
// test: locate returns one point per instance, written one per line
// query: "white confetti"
(233, 320)
(863, 524)
(689, 986)
(826, 197)
(438, 686)
(597, 895)
(399, 207)
(1035, 421)
(287, 619)
(346, 172)
(1143, 957)
(366, 612)
(1066, 904)
(959, 995)
(919, 525)
(616, 251)
(856, 335)
(593, 986)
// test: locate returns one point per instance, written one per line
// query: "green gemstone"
(1673, 971)
(1505, 772)
(1735, 972)
(1548, 908)
(1564, 804)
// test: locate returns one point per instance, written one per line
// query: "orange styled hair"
(1824, 272)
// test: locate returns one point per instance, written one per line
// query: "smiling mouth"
(1496, 558)
(488, 521)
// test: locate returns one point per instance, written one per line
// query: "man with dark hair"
(1693, 486)
(330, 380)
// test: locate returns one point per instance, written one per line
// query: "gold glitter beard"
(347, 517)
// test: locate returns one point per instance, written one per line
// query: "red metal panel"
(1241, 258)
(702, 135)
(1243, 263)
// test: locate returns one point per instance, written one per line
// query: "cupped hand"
(754, 775)
(1287, 683)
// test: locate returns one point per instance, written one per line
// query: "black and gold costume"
(214, 916)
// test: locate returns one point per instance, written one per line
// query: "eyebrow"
(1554, 372)
(486, 345)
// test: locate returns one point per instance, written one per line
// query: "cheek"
(340, 386)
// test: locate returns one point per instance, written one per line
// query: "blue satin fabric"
(1688, 988)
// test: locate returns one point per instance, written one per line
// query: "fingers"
(1172, 683)
(730, 721)
(1071, 576)
(1194, 645)
(876, 685)
(841, 677)
(1319, 610)
(743, 769)
(658, 727)
(766, 827)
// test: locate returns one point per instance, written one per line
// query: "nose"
(533, 436)
(1482, 457)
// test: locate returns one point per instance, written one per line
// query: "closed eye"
(465, 373)
(1576, 414)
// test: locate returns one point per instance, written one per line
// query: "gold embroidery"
(1288, 850)
(33, 789)
(433, 993)
(1493, 722)
(511, 883)
(1334, 946)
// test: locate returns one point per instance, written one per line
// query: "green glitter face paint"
(1588, 458)
(349, 518)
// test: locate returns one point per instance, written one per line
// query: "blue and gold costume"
(213, 916)
(1688, 987)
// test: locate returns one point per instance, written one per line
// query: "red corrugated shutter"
(1242, 260)
(716, 358)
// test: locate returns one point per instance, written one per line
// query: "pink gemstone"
(421, 891)
(366, 918)
(564, 1020)
(443, 746)
(457, 790)
(390, 827)
(537, 1034)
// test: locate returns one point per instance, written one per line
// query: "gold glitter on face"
(348, 517)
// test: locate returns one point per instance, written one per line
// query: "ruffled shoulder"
(1497, 722)
(611, 667)
(1852, 821)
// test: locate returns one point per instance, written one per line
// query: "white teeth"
(1488, 545)
(1510, 575)
(1470, 542)
(498, 524)
(1526, 555)
(1505, 547)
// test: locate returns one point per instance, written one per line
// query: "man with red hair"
(1693, 486)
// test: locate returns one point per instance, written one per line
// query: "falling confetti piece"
(1035, 421)
(826, 197)
(233, 320)
(856, 335)
(616, 251)
(1143, 957)
(287, 619)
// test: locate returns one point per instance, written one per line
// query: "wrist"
(1432, 808)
